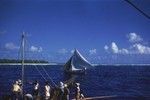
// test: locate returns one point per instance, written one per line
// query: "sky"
(104, 31)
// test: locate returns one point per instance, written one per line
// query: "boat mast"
(22, 62)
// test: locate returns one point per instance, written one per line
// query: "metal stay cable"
(40, 72)
(37, 67)
(141, 11)
(49, 76)
(45, 73)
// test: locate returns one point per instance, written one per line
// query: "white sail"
(77, 62)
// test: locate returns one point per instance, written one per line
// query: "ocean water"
(124, 82)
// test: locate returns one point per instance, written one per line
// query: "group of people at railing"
(60, 92)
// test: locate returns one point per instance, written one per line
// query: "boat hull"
(81, 71)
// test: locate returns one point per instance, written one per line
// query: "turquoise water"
(126, 82)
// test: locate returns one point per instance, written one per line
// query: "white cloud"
(114, 47)
(93, 51)
(133, 37)
(72, 51)
(136, 48)
(123, 51)
(11, 46)
(139, 48)
(40, 49)
(62, 51)
(33, 49)
(36, 49)
(106, 47)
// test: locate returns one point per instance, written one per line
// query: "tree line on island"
(19, 61)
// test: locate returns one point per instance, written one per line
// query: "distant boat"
(76, 64)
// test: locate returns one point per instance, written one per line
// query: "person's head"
(16, 82)
(61, 84)
(19, 80)
(77, 84)
(46, 83)
(65, 85)
(36, 81)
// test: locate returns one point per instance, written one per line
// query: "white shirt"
(47, 90)
(16, 88)
(36, 86)
(78, 88)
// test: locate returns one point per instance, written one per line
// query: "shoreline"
(63, 64)
(121, 64)
(29, 64)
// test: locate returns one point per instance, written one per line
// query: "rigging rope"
(44, 72)
(40, 72)
(49, 76)
(142, 12)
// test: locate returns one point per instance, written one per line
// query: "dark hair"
(46, 82)
(36, 81)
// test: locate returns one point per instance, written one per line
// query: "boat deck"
(8, 97)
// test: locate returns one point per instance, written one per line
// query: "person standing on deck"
(36, 89)
(77, 91)
(61, 91)
(47, 91)
(19, 82)
(16, 91)
(66, 92)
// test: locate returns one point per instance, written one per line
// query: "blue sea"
(123, 82)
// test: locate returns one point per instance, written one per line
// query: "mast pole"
(22, 62)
